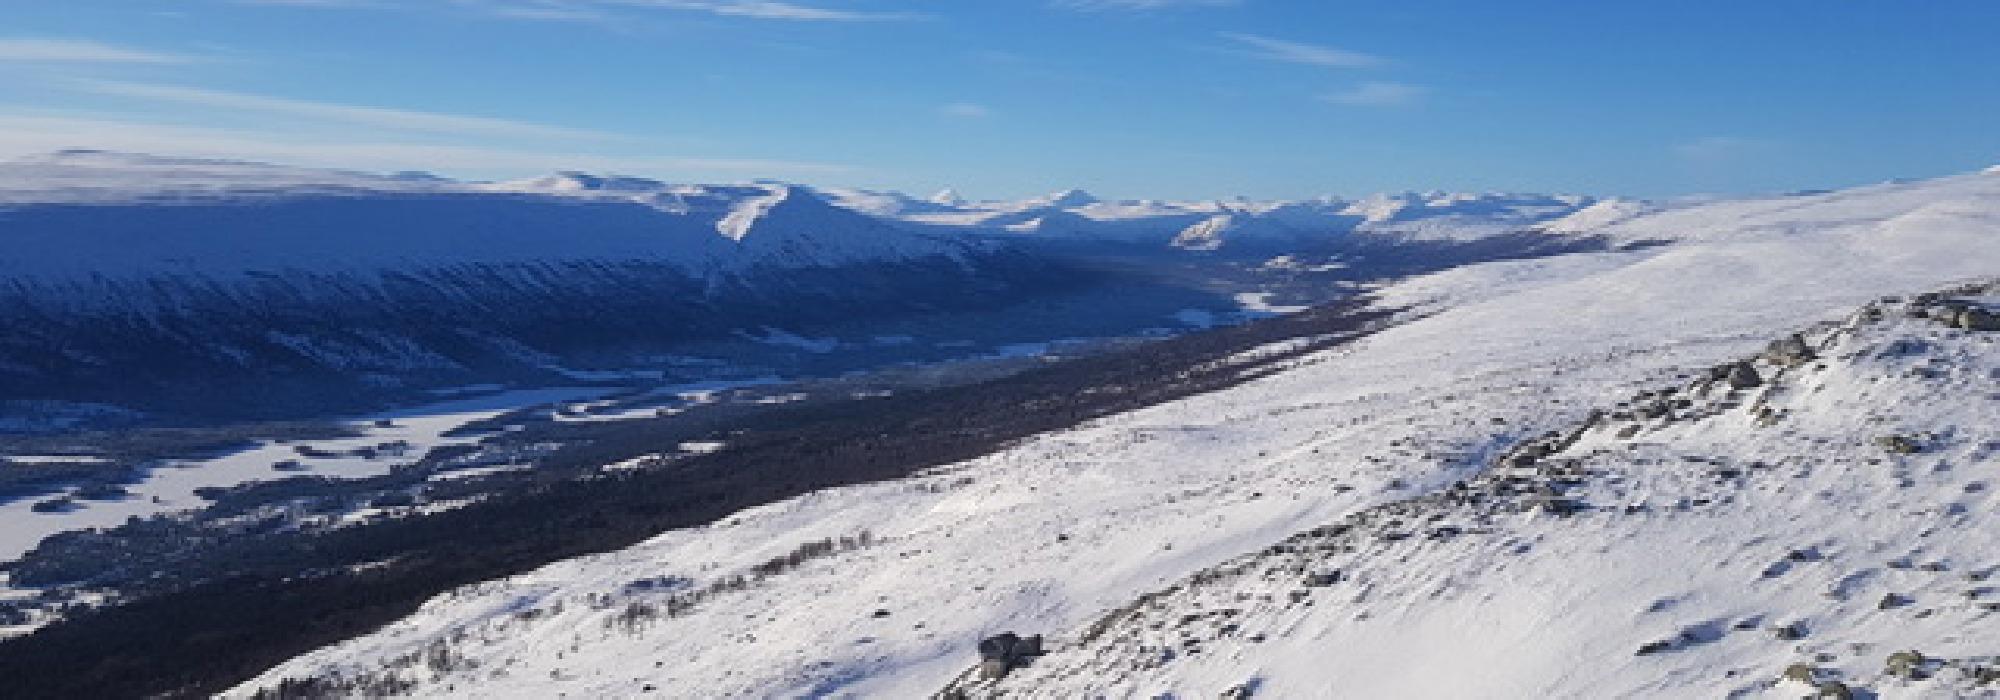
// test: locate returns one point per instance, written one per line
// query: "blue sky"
(1132, 98)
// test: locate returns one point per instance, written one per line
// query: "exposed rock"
(1323, 579)
(1790, 351)
(1985, 675)
(1003, 652)
(1976, 319)
(1803, 673)
(1898, 444)
(1743, 376)
(1908, 665)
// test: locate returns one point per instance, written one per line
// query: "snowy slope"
(1695, 540)
(1049, 536)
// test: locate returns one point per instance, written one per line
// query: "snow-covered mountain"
(125, 275)
(1754, 459)
(129, 275)
(1075, 215)
(95, 214)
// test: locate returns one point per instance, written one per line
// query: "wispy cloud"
(966, 110)
(1378, 94)
(551, 13)
(1287, 51)
(41, 50)
(314, 3)
(30, 134)
(359, 115)
(598, 10)
(1141, 4)
(764, 9)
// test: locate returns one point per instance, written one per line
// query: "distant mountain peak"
(947, 197)
(579, 181)
(1071, 198)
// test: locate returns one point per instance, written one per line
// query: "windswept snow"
(1048, 536)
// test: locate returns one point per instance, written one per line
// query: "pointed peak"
(1071, 198)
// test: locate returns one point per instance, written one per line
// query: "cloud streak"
(763, 9)
(41, 50)
(595, 10)
(358, 115)
(1095, 5)
(1287, 51)
(33, 134)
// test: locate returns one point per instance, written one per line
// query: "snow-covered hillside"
(1817, 518)
(1841, 500)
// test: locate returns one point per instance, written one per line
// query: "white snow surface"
(1047, 536)
(1752, 511)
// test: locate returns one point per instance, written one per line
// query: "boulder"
(1003, 652)
(1985, 675)
(1790, 351)
(1803, 673)
(1977, 319)
(1908, 665)
(999, 647)
(1651, 648)
(1322, 580)
(1743, 376)
(1898, 444)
